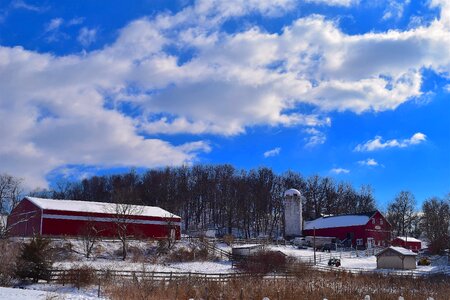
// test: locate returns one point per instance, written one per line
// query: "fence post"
(241, 296)
(64, 277)
(99, 284)
(78, 280)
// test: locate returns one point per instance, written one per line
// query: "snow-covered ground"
(193, 267)
(46, 291)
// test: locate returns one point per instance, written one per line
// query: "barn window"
(359, 242)
(373, 221)
(381, 221)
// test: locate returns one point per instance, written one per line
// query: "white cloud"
(68, 112)
(377, 143)
(339, 171)
(273, 152)
(395, 9)
(346, 3)
(75, 21)
(447, 88)
(20, 4)
(54, 24)
(87, 36)
(369, 162)
(314, 138)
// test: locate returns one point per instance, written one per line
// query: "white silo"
(292, 213)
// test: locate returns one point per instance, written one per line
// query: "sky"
(355, 90)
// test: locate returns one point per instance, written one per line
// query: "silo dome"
(292, 192)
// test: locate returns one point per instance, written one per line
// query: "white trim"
(42, 217)
(105, 219)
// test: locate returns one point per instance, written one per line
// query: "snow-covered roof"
(399, 250)
(292, 192)
(409, 239)
(337, 221)
(98, 207)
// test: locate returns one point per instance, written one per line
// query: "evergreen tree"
(35, 260)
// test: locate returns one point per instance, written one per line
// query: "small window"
(381, 221)
(359, 242)
(373, 221)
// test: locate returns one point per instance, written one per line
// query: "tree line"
(250, 201)
(221, 196)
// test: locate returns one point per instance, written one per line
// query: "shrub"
(263, 262)
(228, 239)
(137, 254)
(35, 260)
(79, 276)
(184, 254)
(8, 257)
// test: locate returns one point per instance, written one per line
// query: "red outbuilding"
(49, 217)
(365, 230)
(410, 243)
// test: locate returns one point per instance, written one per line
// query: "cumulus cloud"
(70, 111)
(274, 152)
(339, 171)
(369, 162)
(377, 143)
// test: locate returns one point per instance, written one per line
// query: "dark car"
(334, 262)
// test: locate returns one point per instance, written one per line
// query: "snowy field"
(106, 258)
(45, 292)
(209, 267)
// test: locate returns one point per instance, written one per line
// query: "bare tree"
(90, 235)
(10, 192)
(123, 217)
(436, 223)
(402, 212)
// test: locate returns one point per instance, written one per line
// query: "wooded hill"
(221, 196)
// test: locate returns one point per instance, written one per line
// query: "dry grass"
(312, 285)
(79, 276)
(263, 262)
(9, 252)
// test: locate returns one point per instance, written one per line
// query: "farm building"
(396, 258)
(246, 250)
(364, 230)
(49, 217)
(408, 243)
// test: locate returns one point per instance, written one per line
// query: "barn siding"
(413, 246)
(25, 219)
(29, 218)
(379, 232)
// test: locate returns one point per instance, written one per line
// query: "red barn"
(408, 243)
(364, 230)
(49, 217)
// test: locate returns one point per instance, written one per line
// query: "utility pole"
(314, 244)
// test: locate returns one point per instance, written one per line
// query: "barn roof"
(408, 239)
(97, 207)
(339, 221)
(399, 250)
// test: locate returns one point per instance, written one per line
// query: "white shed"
(396, 258)
(246, 250)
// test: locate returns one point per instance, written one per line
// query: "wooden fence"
(78, 276)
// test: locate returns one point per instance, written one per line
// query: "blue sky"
(355, 90)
